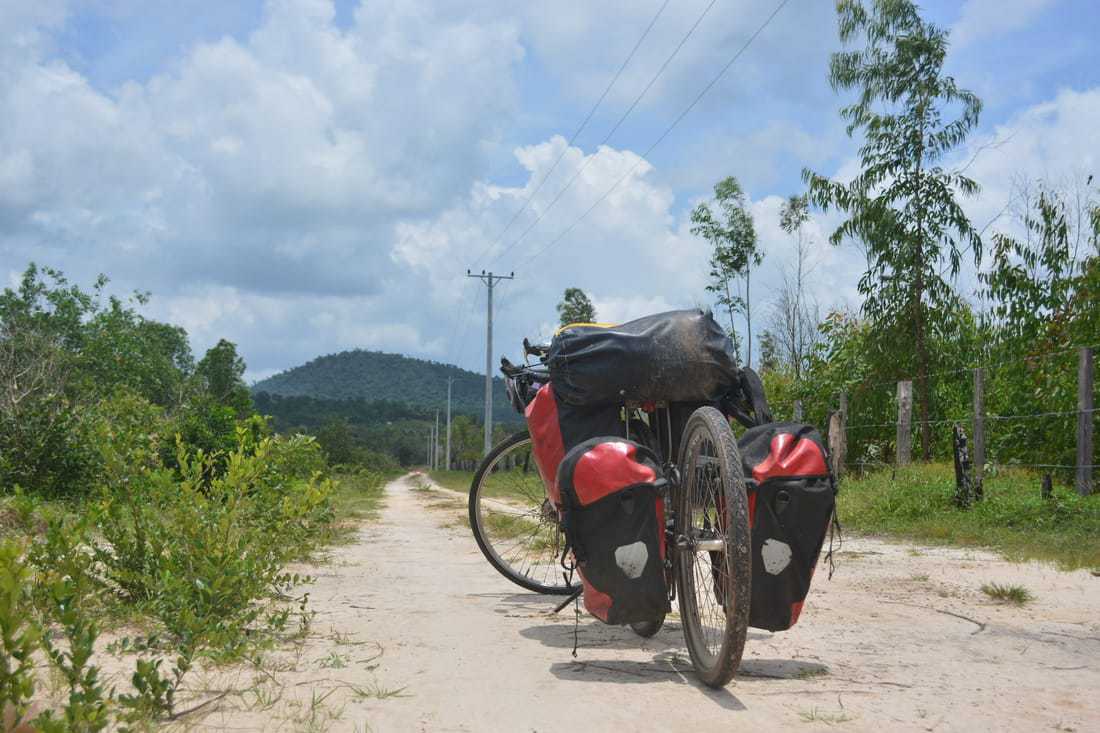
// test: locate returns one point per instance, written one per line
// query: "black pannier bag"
(614, 521)
(679, 356)
(791, 504)
(556, 427)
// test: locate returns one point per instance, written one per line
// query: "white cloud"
(306, 186)
(984, 19)
(1052, 141)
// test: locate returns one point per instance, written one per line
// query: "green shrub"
(86, 708)
(19, 636)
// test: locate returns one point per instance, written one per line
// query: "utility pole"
(490, 280)
(435, 445)
(428, 461)
(447, 465)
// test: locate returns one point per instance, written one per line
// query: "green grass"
(515, 484)
(1012, 519)
(453, 480)
(1017, 595)
(503, 526)
(358, 497)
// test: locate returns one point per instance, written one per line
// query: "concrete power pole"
(490, 280)
(435, 443)
(447, 465)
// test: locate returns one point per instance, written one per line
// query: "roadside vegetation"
(915, 503)
(145, 510)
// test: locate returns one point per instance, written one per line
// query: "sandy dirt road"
(416, 632)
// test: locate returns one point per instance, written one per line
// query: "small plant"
(335, 661)
(87, 706)
(374, 691)
(1017, 595)
(814, 715)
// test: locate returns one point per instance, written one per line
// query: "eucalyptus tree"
(795, 320)
(732, 234)
(904, 204)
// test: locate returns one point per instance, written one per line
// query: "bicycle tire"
(516, 567)
(713, 586)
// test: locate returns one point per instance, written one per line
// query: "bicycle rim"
(514, 524)
(713, 585)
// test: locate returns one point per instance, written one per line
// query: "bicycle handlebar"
(537, 350)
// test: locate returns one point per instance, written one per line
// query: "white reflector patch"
(632, 559)
(776, 556)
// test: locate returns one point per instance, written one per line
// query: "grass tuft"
(1017, 595)
(814, 715)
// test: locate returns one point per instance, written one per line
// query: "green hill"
(377, 377)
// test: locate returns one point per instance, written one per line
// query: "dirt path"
(415, 631)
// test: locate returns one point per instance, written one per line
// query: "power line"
(631, 108)
(584, 123)
(462, 315)
(717, 77)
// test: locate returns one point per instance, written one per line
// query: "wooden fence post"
(837, 441)
(905, 421)
(979, 430)
(1084, 422)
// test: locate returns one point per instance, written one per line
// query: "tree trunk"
(918, 314)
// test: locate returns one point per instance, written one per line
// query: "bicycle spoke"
(518, 530)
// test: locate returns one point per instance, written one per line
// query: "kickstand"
(568, 600)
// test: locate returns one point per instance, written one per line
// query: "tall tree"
(732, 234)
(222, 373)
(575, 307)
(795, 319)
(902, 205)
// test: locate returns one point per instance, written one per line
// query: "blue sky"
(303, 176)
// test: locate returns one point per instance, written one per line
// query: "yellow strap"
(582, 325)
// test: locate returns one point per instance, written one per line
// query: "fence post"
(905, 420)
(979, 429)
(1084, 422)
(836, 443)
(798, 410)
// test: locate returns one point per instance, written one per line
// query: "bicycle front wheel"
(713, 558)
(515, 525)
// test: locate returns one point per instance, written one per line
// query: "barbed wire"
(891, 466)
(992, 365)
(969, 418)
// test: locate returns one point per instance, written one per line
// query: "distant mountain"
(374, 376)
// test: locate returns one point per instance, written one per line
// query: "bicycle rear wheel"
(712, 556)
(514, 523)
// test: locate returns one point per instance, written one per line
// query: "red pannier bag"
(792, 501)
(556, 427)
(614, 521)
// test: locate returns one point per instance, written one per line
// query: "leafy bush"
(197, 548)
(19, 637)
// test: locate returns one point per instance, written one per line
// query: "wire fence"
(881, 428)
